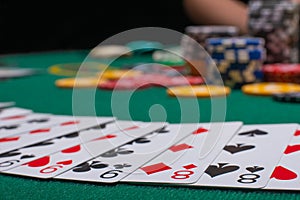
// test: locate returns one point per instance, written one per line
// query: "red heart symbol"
(39, 162)
(291, 149)
(72, 149)
(9, 139)
(200, 130)
(282, 173)
(14, 117)
(109, 136)
(45, 130)
(297, 133)
(66, 162)
(69, 123)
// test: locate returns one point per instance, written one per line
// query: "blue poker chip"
(235, 42)
(240, 55)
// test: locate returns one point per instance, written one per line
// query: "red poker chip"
(125, 84)
(281, 68)
(149, 80)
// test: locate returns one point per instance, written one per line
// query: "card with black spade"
(46, 133)
(29, 153)
(249, 159)
(118, 163)
(181, 163)
(54, 164)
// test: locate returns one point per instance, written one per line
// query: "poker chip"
(124, 84)
(79, 82)
(239, 55)
(150, 80)
(270, 88)
(193, 45)
(278, 23)
(119, 73)
(71, 69)
(282, 72)
(199, 91)
(287, 97)
(154, 68)
(235, 42)
(169, 56)
(238, 59)
(144, 46)
(110, 51)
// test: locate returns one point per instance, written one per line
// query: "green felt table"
(39, 93)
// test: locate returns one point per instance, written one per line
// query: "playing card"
(181, 163)
(6, 104)
(249, 158)
(46, 133)
(33, 123)
(18, 157)
(55, 164)
(16, 120)
(14, 111)
(114, 165)
(286, 173)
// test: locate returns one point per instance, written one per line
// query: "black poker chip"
(288, 97)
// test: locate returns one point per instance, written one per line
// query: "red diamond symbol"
(180, 147)
(200, 130)
(190, 166)
(159, 167)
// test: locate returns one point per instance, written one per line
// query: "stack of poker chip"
(277, 21)
(239, 60)
(282, 72)
(195, 54)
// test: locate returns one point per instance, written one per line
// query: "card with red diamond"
(181, 163)
(118, 163)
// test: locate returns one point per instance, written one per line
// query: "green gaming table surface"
(39, 93)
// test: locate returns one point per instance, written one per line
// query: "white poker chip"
(109, 51)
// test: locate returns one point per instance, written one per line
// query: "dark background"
(49, 25)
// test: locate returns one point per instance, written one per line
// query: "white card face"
(39, 135)
(55, 164)
(6, 104)
(9, 130)
(114, 165)
(181, 163)
(20, 156)
(248, 160)
(19, 119)
(14, 111)
(286, 175)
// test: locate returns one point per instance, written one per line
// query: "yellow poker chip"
(79, 82)
(119, 73)
(270, 88)
(198, 91)
(71, 69)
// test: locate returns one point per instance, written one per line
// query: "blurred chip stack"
(277, 21)
(239, 60)
(282, 72)
(196, 54)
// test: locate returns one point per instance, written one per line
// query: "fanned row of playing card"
(108, 150)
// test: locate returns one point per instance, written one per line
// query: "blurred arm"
(218, 12)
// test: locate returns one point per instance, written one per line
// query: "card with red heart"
(286, 175)
(248, 160)
(56, 163)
